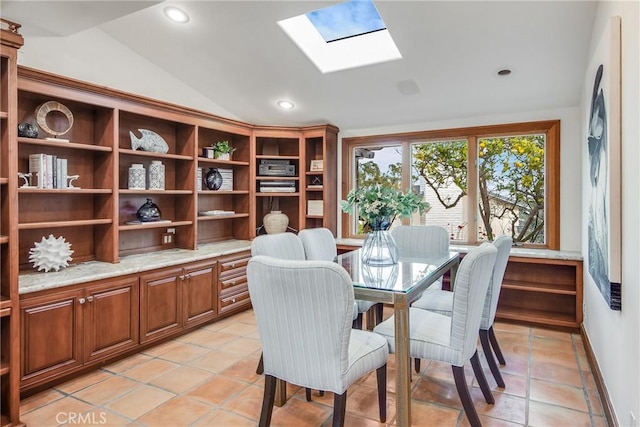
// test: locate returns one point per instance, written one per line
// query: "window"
(480, 182)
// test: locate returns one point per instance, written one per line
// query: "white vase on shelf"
(156, 175)
(137, 178)
(275, 222)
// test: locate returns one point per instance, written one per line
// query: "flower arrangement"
(222, 147)
(379, 206)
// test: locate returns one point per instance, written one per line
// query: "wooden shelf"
(5, 305)
(71, 223)
(4, 239)
(130, 152)
(221, 192)
(540, 287)
(64, 190)
(4, 115)
(71, 145)
(151, 225)
(143, 192)
(314, 173)
(4, 180)
(277, 178)
(219, 217)
(315, 216)
(4, 368)
(537, 316)
(222, 163)
(320, 190)
(277, 194)
(276, 157)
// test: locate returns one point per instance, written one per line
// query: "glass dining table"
(399, 284)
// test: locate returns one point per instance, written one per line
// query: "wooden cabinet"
(547, 292)
(200, 299)
(10, 42)
(160, 304)
(233, 289)
(65, 330)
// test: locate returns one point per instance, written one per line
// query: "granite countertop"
(96, 270)
(515, 251)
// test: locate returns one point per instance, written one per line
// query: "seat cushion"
(364, 306)
(429, 334)
(367, 352)
(435, 300)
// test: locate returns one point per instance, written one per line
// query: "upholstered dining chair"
(421, 240)
(319, 244)
(453, 339)
(325, 354)
(440, 301)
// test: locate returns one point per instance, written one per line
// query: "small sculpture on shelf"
(72, 178)
(148, 212)
(149, 141)
(26, 177)
(50, 254)
(213, 179)
(27, 130)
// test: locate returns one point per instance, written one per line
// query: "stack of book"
(285, 186)
(199, 179)
(227, 179)
(48, 171)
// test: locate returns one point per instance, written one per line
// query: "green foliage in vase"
(222, 147)
(376, 201)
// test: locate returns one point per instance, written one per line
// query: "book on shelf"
(217, 212)
(315, 207)
(227, 179)
(158, 221)
(199, 179)
(314, 187)
(36, 169)
(47, 171)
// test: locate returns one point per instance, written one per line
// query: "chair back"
(416, 240)
(281, 245)
(304, 314)
(318, 243)
(469, 292)
(503, 244)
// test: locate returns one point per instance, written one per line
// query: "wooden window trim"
(552, 163)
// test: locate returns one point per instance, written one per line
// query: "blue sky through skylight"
(348, 19)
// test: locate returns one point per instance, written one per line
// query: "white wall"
(570, 166)
(95, 57)
(615, 335)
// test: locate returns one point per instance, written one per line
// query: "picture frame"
(603, 138)
(316, 166)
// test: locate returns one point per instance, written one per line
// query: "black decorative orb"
(148, 212)
(213, 179)
(27, 130)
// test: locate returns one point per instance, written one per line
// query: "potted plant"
(222, 150)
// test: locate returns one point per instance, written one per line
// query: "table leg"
(403, 365)
(281, 393)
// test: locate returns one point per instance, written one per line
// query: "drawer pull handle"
(90, 298)
(82, 300)
(233, 300)
(233, 265)
(181, 277)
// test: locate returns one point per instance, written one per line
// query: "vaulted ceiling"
(234, 53)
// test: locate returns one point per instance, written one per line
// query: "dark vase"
(27, 130)
(148, 212)
(213, 179)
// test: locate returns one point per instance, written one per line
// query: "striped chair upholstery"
(281, 245)
(452, 339)
(320, 245)
(421, 240)
(304, 312)
(440, 301)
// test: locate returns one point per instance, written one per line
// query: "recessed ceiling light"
(287, 105)
(176, 15)
(504, 72)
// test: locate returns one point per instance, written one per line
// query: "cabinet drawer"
(235, 300)
(227, 283)
(235, 264)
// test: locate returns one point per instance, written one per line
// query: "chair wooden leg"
(416, 362)
(381, 374)
(339, 409)
(260, 368)
(465, 396)
(482, 381)
(379, 309)
(267, 400)
(307, 392)
(488, 354)
(496, 347)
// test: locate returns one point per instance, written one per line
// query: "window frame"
(551, 128)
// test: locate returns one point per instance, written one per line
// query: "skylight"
(346, 35)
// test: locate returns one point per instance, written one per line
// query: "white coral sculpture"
(50, 254)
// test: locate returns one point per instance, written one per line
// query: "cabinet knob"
(90, 298)
(233, 265)
(233, 300)
(81, 300)
(181, 277)
(187, 276)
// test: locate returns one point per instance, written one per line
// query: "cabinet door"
(199, 293)
(111, 318)
(160, 304)
(51, 335)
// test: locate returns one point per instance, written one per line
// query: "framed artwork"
(316, 166)
(603, 141)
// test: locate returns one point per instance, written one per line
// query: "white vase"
(137, 178)
(156, 175)
(223, 156)
(275, 222)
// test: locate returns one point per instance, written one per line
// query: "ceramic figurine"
(27, 130)
(50, 254)
(150, 141)
(148, 212)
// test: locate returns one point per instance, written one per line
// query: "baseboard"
(599, 380)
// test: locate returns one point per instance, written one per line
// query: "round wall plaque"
(43, 110)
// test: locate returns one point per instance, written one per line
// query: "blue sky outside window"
(348, 19)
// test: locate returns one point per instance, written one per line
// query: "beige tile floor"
(207, 378)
